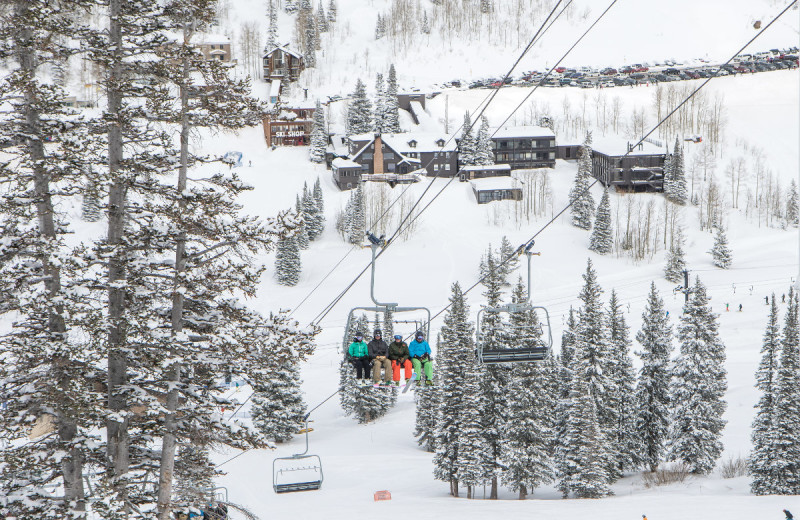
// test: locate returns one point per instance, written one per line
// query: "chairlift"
(519, 353)
(380, 307)
(298, 472)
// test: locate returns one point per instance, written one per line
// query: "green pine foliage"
(380, 104)
(602, 238)
(287, 261)
(676, 261)
(278, 408)
(675, 187)
(467, 145)
(580, 197)
(319, 136)
(721, 254)
(391, 109)
(652, 397)
(475, 457)
(792, 208)
(698, 387)
(359, 111)
(483, 144)
(761, 463)
(357, 216)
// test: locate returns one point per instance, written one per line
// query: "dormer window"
(412, 144)
(440, 143)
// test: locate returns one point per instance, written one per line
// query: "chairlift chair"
(298, 472)
(520, 353)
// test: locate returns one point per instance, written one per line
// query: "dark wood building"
(469, 173)
(525, 147)
(496, 188)
(290, 127)
(282, 63)
(405, 153)
(615, 162)
(346, 173)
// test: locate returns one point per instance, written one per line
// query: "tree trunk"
(170, 424)
(454, 487)
(523, 492)
(72, 464)
(469, 491)
(117, 430)
(493, 492)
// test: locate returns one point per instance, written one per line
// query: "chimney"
(377, 157)
(305, 94)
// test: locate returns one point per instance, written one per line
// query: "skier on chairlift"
(358, 355)
(378, 353)
(400, 358)
(421, 358)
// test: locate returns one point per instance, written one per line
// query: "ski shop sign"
(290, 133)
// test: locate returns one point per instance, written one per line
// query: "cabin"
(346, 173)
(524, 147)
(496, 188)
(626, 166)
(216, 47)
(291, 126)
(405, 153)
(282, 63)
(469, 173)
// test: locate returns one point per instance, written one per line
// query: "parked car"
(608, 71)
(671, 70)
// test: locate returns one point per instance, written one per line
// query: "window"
(552, 142)
(447, 167)
(365, 167)
(503, 144)
(388, 155)
(367, 156)
(552, 155)
(390, 166)
(436, 167)
(412, 144)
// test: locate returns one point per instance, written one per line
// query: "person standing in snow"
(358, 355)
(378, 353)
(788, 514)
(421, 358)
(400, 358)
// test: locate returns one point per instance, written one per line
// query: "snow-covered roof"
(508, 132)
(275, 88)
(400, 142)
(494, 183)
(616, 146)
(344, 163)
(491, 167)
(208, 39)
(285, 48)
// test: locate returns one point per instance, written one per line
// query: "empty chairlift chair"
(299, 472)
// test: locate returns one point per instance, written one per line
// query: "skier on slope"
(421, 358)
(788, 514)
(358, 355)
(400, 358)
(378, 353)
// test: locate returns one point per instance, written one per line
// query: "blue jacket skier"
(421, 358)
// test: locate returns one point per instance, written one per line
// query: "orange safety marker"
(382, 495)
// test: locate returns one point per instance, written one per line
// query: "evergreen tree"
(530, 437)
(467, 147)
(426, 26)
(348, 389)
(278, 408)
(652, 398)
(792, 208)
(580, 197)
(272, 33)
(322, 19)
(194, 474)
(699, 385)
(678, 191)
(676, 262)
(314, 222)
(483, 144)
(456, 341)
(761, 462)
(391, 117)
(566, 374)
(302, 217)
(388, 324)
(475, 454)
(602, 239)
(507, 259)
(380, 27)
(290, 6)
(319, 203)
(593, 364)
(332, 11)
(319, 136)
(305, 5)
(786, 454)
(669, 170)
(287, 261)
(425, 426)
(624, 435)
(721, 253)
(90, 209)
(359, 111)
(310, 41)
(358, 217)
(486, 6)
(380, 104)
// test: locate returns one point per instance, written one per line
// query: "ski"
(409, 383)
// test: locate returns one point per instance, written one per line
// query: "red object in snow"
(382, 495)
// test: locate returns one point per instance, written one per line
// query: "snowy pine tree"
(786, 454)
(310, 41)
(698, 387)
(676, 261)
(624, 435)
(357, 218)
(359, 111)
(314, 221)
(332, 11)
(792, 208)
(380, 104)
(322, 19)
(278, 408)
(302, 233)
(319, 203)
(580, 197)
(456, 344)
(669, 169)
(652, 398)
(721, 254)
(272, 33)
(467, 146)
(486, 6)
(319, 136)
(426, 25)
(530, 436)
(507, 259)
(602, 238)
(287, 262)
(90, 208)
(761, 463)
(380, 27)
(475, 457)
(290, 6)
(678, 191)
(391, 108)
(483, 144)
(426, 405)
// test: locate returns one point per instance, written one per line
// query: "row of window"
(523, 144)
(524, 156)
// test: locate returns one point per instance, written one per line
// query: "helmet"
(419, 334)
(358, 336)
(377, 332)
(398, 336)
